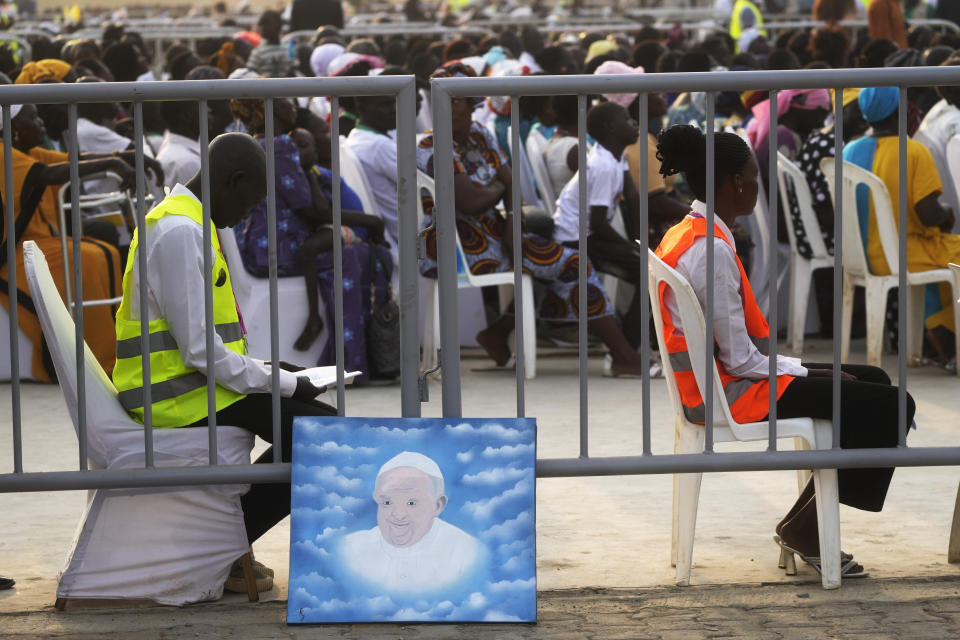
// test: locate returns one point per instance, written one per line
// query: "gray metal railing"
(444, 90)
(402, 87)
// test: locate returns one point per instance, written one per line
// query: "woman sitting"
(482, 179)
(37, 175)
(868, 402)
(304, 216)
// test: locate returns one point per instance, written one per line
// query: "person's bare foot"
(309, 334)
(495, 345)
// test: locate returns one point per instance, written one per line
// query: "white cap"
(412, 459)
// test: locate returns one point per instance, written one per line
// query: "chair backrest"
(105, 417)
(241, 281)
(426, 183)
(953, 166)
(792, 181)
(528, 189)
(854, 253)
(536, 145)
(351, 172)
(694, 329)
(758, 272)
(949, 195)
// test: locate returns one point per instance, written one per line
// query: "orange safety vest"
(749, 399)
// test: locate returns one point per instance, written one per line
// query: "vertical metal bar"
(902, 288)
(837, 257)
(337, 252)
(708, 361)
(515, 200)
(272, 273)
(772, 270)
(208, 283)
(77, 281)
(407, 193)
(142, 293)
(13, 303)
(582, 277)
(446, 251)
(644, 293)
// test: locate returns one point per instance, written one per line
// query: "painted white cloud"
(491, 429)
(330, 532)
(329, 477)
(515, 546)
(495, 476)
(483, 509)
(521, 526)
(498, 616)
(465, 456)
(508, 451)
(504, 587)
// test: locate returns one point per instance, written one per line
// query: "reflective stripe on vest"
(736, 28)
(748, 399)
(178, 393)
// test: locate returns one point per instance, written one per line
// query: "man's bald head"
(237, 177)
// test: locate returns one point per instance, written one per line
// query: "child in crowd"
(271, 58)
(356, 227)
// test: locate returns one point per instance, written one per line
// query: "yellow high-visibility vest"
(736, 28)
(178, 392)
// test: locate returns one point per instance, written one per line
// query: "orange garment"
(885, 20)
(35, 212)
(749, 399)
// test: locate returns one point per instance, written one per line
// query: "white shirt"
(940, 124)
(377, 154)
(95, 138)
(174, 250)
(179, 156)
(740, 357)
(445, 555)
(555, 157)
(604, 187)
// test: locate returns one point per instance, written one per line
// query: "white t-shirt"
(940, 124)
(377, 154)
(555, 157)
(445, 555)
(604, 188)
(179, 156)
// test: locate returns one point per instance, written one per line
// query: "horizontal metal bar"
(549, 468)
(196, 89)
(712, 81)
(140, 477)
(750, 461)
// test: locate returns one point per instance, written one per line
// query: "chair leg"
(828, 517)
(876, 310)
(953, 550)
(799, 294)
(246, 562)
(916, 301)
(431, 337)
(686, 496)
(803, 475)
(846, 319)
(529, 330)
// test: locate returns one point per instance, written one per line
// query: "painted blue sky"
(488, 467)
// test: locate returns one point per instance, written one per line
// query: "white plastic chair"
(253, 297)
(528, 189)
(465, 279)
(949, 195)
(790, 178)
(536, 145)
(856, 269)
(169, 545)
(689, 437)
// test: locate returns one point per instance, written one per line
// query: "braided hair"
(683, 149)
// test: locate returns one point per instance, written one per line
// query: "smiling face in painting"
(406, 505)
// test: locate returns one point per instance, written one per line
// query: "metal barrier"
(444, 90)
(403, 87)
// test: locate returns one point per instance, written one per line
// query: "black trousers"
(267, 504)
(868, 418)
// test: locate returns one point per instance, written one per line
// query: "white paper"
(322, 377)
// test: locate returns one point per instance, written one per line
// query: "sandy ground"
(611, 532)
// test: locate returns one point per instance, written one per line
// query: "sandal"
(848, 568)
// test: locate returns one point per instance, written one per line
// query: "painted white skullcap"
(412, 459)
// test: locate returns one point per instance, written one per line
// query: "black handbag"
(383, 326)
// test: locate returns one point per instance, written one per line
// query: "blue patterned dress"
(481, 236)
(293, 193)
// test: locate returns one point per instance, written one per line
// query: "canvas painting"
(413, 519)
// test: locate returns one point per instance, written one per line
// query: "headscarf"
(494, 55)
(849, 95)
(243, 73)
(878, 103)
(613, 67)
(322, 56)
(251, 37)
(500, 105)
(456, 69)
(808, 99)
(599, 48)
(249, 111)
(221, 59)
(34, 72)
(14, 110)
(753, 97)
(343, 62)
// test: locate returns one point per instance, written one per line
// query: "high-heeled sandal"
(788, 562)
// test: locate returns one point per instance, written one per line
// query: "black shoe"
(6, 583)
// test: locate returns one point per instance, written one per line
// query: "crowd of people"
(673, 188)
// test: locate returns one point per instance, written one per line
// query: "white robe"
(443, 556)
